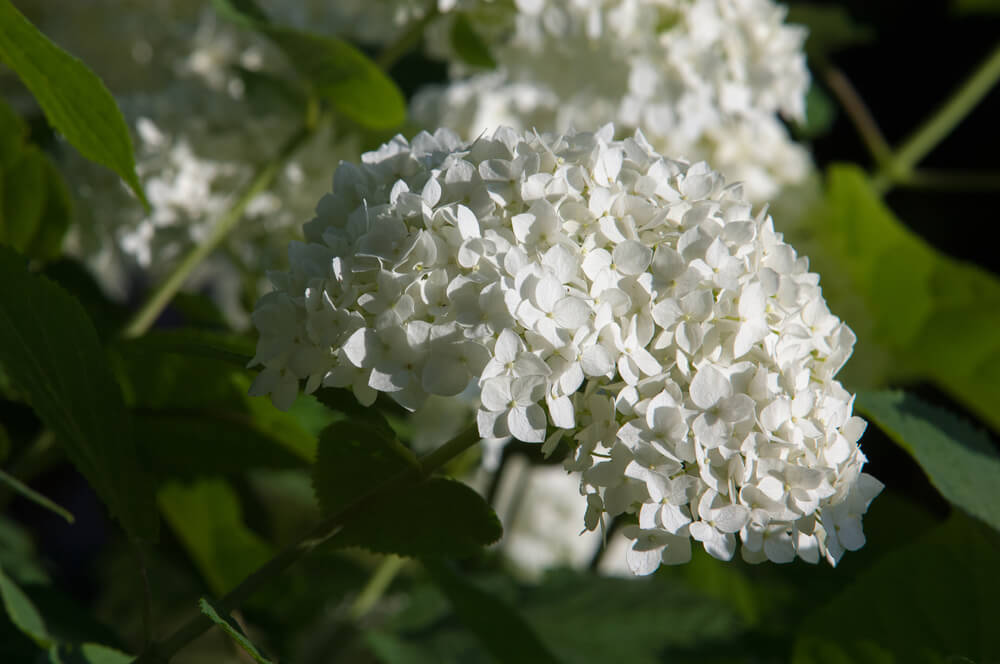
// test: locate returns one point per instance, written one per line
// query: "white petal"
(731, 518)
(571, 313)
(596, 361)
(643, 563)
(495, 395)
(709, 386)
(632, 257)
(468, 225)
(561, 411)
(527, 423)
(358, 347)
(492, 424)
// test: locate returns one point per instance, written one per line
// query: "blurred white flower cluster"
(206, 111)
(599, 293)
(703, 79)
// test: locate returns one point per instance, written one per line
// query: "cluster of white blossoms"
(703, 79)
(200, 134)
(600, 294)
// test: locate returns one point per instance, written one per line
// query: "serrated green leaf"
(23, 613)
(338, 72)
(831, 28)
(52, 354)
(468, 45)
(234, 349)
(439, 517)
(207, 518)
(32, 495)
(354, 457)
(73, 98)
(960, 461)
(934, 600)
(499, 627)
(918, 313)
(230, 627)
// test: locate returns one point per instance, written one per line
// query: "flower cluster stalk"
(900, 167)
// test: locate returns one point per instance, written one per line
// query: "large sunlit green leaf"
(501, 629)
(232, 628)
(960, 461)
(934, 600)
(207, 518)
(73, 98)
(338, 72)
(918, 313)
(50, 351)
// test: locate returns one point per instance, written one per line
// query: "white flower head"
(703, 79)
(596, 291)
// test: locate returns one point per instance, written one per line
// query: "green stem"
(379, 582)
(327, 528)
(900, 167)
(154, 306)
(858, 113)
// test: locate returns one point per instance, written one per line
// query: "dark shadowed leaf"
(53, 356)
(438, 517)
(933, 600)
(354, 457)
(32, 495)
(959, 460)
(500, 628)
(73, 98)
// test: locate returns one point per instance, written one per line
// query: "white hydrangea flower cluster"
(600, 293)
(703, 79)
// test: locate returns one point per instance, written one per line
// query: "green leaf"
(230, 627)
(468, 45)
(831, 28)
(90, 653)
(976, 6)
(207, 518)
(23, 199)
(354, 457)
(499, 627)
(35, 206)
(52, 354)
(918, 313)
(934, 600)
(200, 443)
(233, 349)
(73, 98)
(439, 517)
(338, 73)
(32, 495)
(821, 112)
(960, 461)
(57, 213)
(23, 613)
